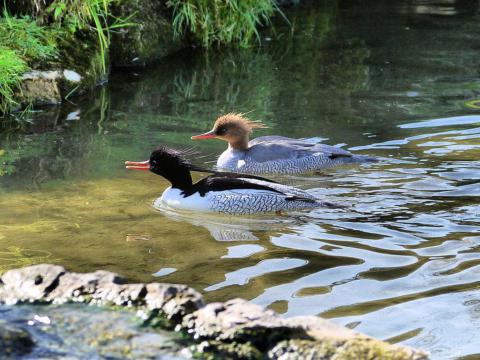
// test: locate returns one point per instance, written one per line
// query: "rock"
(40, 88)
(302, 349)
(222, 350)
(31, 283)
(80, 331)
(174, 301)
(50, 87)
(148, 40)
(50, 283)
(72, 76)
(14, 341)
(240, 322)
(320, 329)
(235, 329)
(356, 348)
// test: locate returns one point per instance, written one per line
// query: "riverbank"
(235, 329)
(40, 41)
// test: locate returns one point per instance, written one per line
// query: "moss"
(356, 348)
(213, 350)
(156, 320)
(364, 348)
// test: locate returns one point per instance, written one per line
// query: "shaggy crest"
(240, 120)
(180, 156)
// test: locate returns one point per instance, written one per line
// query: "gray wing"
(289, 191)
(290, 149)
(269, 138)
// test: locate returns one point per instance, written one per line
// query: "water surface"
(401, 262)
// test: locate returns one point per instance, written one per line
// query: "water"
(401, 262)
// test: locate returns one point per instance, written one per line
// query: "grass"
(33, 38)
(221, 21)
(29, 40)
(12, 66)
(26, 44)
(22, 44)
(85, 15)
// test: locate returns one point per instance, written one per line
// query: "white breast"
(174, 199)
(231, 159)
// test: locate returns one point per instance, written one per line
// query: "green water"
(398, 80)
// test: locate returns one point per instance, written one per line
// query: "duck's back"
(281, 148)
(282, 155)
(240, 194)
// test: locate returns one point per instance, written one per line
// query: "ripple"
(450, 121)
(243, 276)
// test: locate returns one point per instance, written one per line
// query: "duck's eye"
(221, 131)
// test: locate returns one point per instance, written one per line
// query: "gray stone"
(40, 88)
(235, 329)
(307, 337)
(72, 76)
(238, 320)
(29, 283)
(52, 283)
(358, 347)
(174, 301)
(50, 87)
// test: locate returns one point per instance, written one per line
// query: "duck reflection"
(228, 228)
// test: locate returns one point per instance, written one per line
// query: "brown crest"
(240, 120)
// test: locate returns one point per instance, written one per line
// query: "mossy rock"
(147, 39)
(75, 71)
(356, 348)
(216, 350)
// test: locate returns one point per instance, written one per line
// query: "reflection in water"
(400, 262)
(226, 227)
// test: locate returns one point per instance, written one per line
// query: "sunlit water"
(400, 262)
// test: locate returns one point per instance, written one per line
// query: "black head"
(165, 160)
(168, 163)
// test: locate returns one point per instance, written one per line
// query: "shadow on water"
(396, 80)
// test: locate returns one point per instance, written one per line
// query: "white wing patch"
(240, 163)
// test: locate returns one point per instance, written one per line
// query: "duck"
(222, 192)
(272, 154)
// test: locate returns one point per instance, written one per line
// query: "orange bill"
(207, 135)
(138, 165)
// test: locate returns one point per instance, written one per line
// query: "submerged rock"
(80, 331)
(235, 329)
(14, 340)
